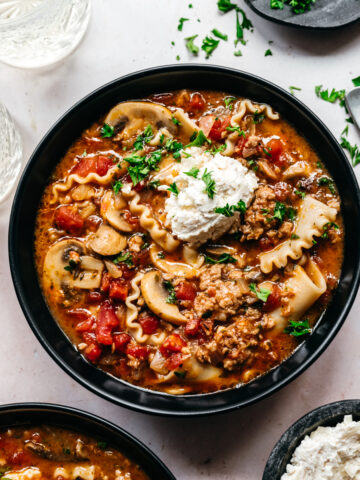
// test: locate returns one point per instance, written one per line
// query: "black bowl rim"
(37, 407)
(309, 28)
(170, 411)
(292, 437)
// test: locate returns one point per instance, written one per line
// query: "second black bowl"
(69, 128)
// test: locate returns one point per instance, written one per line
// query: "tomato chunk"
(174, 361)
(94, 297)
(218, 128)
(120, 341)
(93, 352)
(99, 164)
(138, 351)
(105, 282)
(67, 218)
(107, 321)
(18, 457)
(149, 324)
(273, 301)
(186, 291)
(197, 102)
(172, 344)
(86, 325)
(192, 327)
(80, 314)
(118, 289)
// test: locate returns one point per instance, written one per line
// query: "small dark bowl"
(25, 414)
(326, 416)
(69, 128)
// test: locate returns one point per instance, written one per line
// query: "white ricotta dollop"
(191, 212)
(329, 453)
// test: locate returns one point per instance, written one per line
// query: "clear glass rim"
(26, 16)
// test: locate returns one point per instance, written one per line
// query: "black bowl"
(25, 414)
(52, 148)
(326, 416)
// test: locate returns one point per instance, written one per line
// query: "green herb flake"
(238, 53)
(240, 132)
(228, 101)
(328, 182)
(268, 53)
(356, 81)
(209, 44)
(223, 258)
(107, 131)
(117, 186)
(161, 255)
(258, 117)
(154, 184)
(102, 445)
(226, 5)
(173, 189)
(198, 139)
(66, 451)
(124, 258)
(353, 150)
(301, 194)
(262, 294)
(298, 329)
(220, 35)
(175, 121)
(210, 187)
(294, 236)
(71, 266)
(181, 23)
(143, 138)
(180, 374)
(229, 210)
(194, 172)
(331, 97)
(171, 290)
(292, 89)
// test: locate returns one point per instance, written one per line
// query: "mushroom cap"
(155, 295)
(135, 116)
(57, 278)
(111, 209)
(107, 241)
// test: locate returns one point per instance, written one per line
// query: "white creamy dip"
(191, 213)
(329, 453)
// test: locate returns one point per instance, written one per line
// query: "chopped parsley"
(228, 210)
(210, 188)
(154, 184)
(236, 129)
(258, 117)
(328, 182)
(175, 121)
(209, 44)
(238, 53)
(292, 89)
(102, 445)
(107, 131)
(180, 374)
(71, 266)
(124, 258)
(174, 189)
(331, 97)
(141, 166)
(297, 329)
(245, 24)
(181, 23)
(66, 451)
(143, 138)
(215, 149)
(356, 81)
(281, 211)
(228, 101)
(326, 228)
(161, 255)
(353, 150)
(262, 294)
(198, 139)
(172, 294)
(297, 6)
(294, 236)
(226, 5)
(268, 53)
(174, 147)
(117, 186)
(190, 45)
(301, 194)
(207, 314)
(194, 172)
(223, 258)
(220, 35)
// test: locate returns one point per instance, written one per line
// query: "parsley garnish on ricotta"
(191, 213)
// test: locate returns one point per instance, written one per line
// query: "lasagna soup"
(47, 452)
(188, 241)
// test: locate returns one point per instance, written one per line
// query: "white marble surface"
(125, 36)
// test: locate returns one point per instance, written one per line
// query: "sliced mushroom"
(187, 126)
(111, 209)
(107, 241)
(132, 117)
(155, 295)
(198, 372)
(114, 270)
(58, 275)
(220, 249)
(168, 266)
(298, 169)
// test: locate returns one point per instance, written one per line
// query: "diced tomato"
(107, 321)
(174, 361)
(274, 300)
(19, 457)
(265, 243)
(219, 126)
(99, 164)
(79, 314)
(105, 282)
(86, 325)
(94, 297)
(137, 351)
(120, 341)
(93, 352)
(197, 102)
(240, 145)
(186, 291)
(172, 344)
(140, 186)
(118, 289)
(127, 273)
(275, 148)
(141, 258)
(149, 324)
(67, 218)
(129, 218)
(192, 327)
(205, 123)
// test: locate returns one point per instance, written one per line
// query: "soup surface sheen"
(187, 242)
(47, 452)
